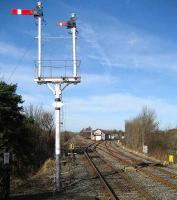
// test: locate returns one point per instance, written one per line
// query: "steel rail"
(127, 179)
(136, 161)
(159, 179)
(106, 185)
(171, 174)
(143, 171)
(130, 181)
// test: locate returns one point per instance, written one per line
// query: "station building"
(100, 134)
(97, 135)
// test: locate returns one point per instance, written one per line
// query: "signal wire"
(27, 50)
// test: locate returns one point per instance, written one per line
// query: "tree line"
(144, 130)
(26, 133)
(140, 129)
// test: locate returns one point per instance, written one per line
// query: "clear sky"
(128, 50)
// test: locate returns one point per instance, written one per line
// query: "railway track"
(161, 172)
(155, 165)
(117, 185)
(162, 176)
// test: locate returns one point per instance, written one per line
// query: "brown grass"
(47, 168)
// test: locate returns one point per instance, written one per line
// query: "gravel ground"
(84, 183)
(77, 179)
(80, 182)
(157, 190)
(122, 189)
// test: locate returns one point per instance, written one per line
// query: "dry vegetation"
(144, 130)
(162, 144)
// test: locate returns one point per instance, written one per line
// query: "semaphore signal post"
(57, 74)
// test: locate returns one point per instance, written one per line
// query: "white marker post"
(6, 158)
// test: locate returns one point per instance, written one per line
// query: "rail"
(148, 173)
(110, 191)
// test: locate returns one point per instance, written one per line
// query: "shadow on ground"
(51, 196)
(43, 196)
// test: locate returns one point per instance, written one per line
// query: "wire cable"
(20, 60)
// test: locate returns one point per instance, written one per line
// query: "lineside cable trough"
(57, 74)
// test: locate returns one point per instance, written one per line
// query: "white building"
(111, 137)
(97, 135)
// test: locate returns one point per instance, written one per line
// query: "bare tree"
(47, 122)
(139, 129)
(44, 119)
(34, 112)
(43, 126)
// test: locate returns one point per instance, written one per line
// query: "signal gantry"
(57, 74)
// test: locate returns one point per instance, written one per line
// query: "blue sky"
(128, 50)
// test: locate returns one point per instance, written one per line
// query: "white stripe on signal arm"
(19, 11)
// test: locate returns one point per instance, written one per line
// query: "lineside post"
(74, 37)
(39, 17)
(58, 105)
(71, 25)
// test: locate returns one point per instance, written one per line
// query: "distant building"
(86, 132)
(100, 134)
(97, 135)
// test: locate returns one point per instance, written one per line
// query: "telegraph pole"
(56, 81)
